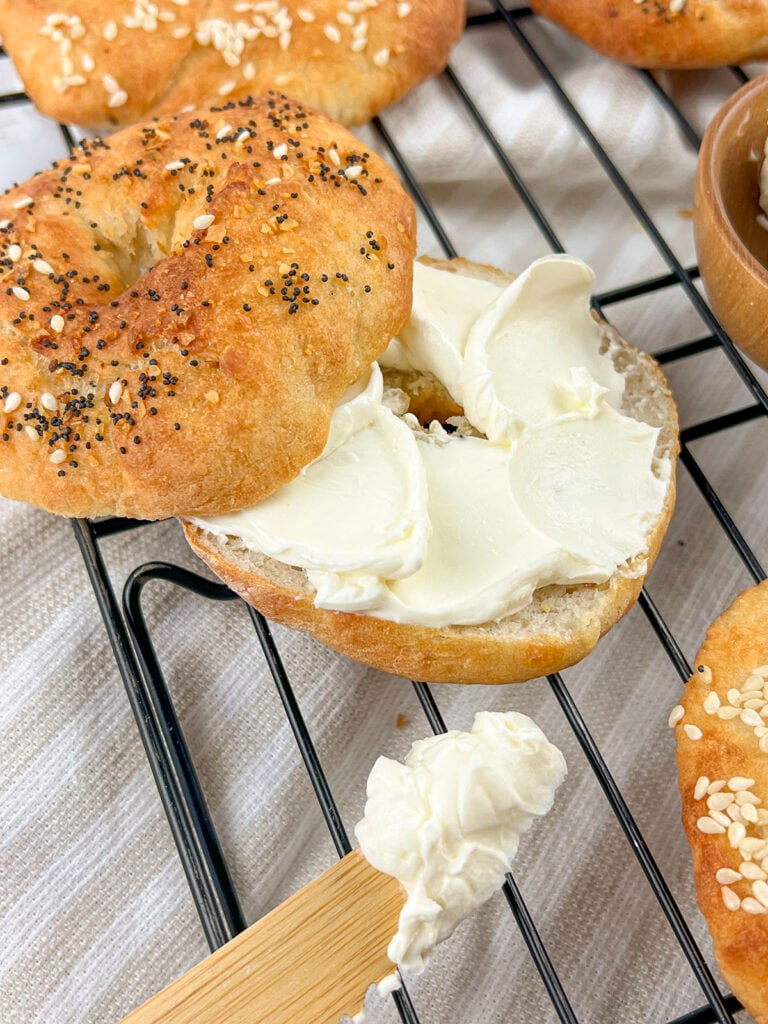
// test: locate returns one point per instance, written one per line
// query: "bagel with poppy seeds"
(722, 761)
(103, 65)
(185, 302)
(470, 590)
(673, 34)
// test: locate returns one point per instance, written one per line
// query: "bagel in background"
(106, 65)
(560, 626)
(722, 760)
(675, 34)
(185, 303)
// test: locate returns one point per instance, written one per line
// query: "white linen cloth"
(95, 914)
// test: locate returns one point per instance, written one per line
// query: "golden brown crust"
(729, 757)
(560, 627)
(104, 65)
(226, 358)
(700, 34)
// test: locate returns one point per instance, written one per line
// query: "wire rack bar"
(533, 208)
(174, 775)
(640, 848)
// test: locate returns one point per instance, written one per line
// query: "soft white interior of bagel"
(439, 528)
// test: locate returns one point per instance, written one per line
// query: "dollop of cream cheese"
(762, 218)
(438, 528)
(447, 822)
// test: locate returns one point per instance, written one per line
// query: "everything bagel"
(184, 303)
(675, 34)
(105, 65)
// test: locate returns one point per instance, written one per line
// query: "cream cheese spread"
(448, 822)
(436, 528)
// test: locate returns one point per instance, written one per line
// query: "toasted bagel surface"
(722, 760)
(185, 302)
(105, 65)
(647, 34)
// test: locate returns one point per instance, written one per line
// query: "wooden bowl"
(731, 245)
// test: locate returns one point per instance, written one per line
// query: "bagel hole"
(428, 398)
(136, 253)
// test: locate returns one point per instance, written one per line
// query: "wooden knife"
(309, 961)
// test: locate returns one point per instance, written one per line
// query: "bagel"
(551, 627)
(673, 34)
(722, 741)
(106, 66)
(185, 303)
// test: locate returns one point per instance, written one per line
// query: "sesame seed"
(759, 888)
(305, 15)
(59, 455)
(736, 833)
(712, 702)
(333, 156)
(12, 402)
(704, 674)
(57, 323)
(709, 826)
(115, 391)
(42, 267)
(727, 713)
(21, 203)
(110, 30)
(749, 813)
(761, 670)
(332, 33)
(693, 732)
(716, 786)
(719, 801)
(223, 132)
(353, 172)
(730, 899)
(280, 151)
(676, 715)
(727, 876)
(381, 57)
(751, 906)
(118, 99)
(21, 293)
(700, 789)
(48, 401)
(403, 10)
(14, 253)
(181, 31)
(175, 165)
(203, 221)
(750, 717)
(740, 782)
(31, 432)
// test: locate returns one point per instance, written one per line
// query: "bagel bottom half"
(561, 625)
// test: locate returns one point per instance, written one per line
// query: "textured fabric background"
(95, 914)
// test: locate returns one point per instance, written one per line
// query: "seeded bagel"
(674, 34)
(722, 760)
(185, 303)
(560, 626)
(103, 65)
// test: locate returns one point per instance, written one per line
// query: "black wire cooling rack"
(196, 839)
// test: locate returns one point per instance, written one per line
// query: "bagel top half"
(670, 34)
(106, 65)
(183, 304)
